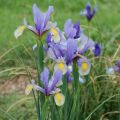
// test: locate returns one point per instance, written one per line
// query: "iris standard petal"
(56, 78)
(71, 50)
(70, 32)
(39, 18)
(44, 76)
(47, 15)
(77, 27)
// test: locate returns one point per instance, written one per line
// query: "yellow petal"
(59, 99)
(19, 31)
(28, 89)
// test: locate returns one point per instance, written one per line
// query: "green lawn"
(105, 29)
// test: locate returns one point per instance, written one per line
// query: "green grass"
(17, 53)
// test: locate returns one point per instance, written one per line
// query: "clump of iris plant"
(68, 51)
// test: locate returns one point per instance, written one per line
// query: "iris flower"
(88, 12)
(117, 66)
(41, 20)
(49, 86)
(97, 50)
(72, 30)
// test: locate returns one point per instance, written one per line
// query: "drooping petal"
(19, 31)
(44, 76)
(28, 89)
(59, 99)
(84, 66)
(37, 87)
(33, 29)
(61, 65)
(71, 50)
(55, 79)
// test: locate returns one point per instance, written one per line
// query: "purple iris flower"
(49, 86)
(117, 66)
(72, 30)
(97, 50)
(41, 20)
(88, 12)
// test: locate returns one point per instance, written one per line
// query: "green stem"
(75, 75)
(40, 61)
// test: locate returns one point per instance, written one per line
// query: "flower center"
(84, 66)
(54, 32)
(61, 66)
(22, 28)
(58, 97)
